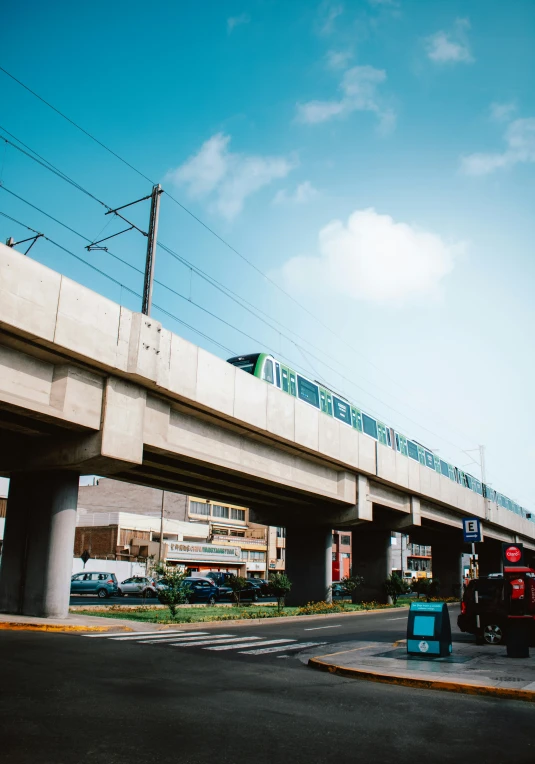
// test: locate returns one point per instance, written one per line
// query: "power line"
(233, 296)
(212, 231)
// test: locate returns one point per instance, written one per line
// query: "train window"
(451, 472)
(267, 374)
(444, 468)
(293, 390)
(369, 426)
(323, 401)
(437, 464)
(245, 362)
(381, 431)
(389, 436)
(397, 442)
(356, 419)
(429, 460)
(412, 450)
(329, 404)
(285, 380)
(308, 392)
(278, 373)
(342, 411)
(421, 455)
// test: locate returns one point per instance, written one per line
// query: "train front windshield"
(245, 362)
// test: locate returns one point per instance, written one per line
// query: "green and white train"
(274, 372)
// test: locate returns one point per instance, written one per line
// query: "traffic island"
(471, 669)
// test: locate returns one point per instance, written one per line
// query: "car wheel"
(120, 593)
(492, 634)
(212, 600)
(148, 593)
(102, 593)
(254, 598)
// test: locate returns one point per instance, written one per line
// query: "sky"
(359, 174)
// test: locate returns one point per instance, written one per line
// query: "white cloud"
(450, 47)
(502, 112)
(373, 258)
(303, 194)
(338, 59)
(359, 93)
(328, 12)
(225, 177)
(520, 147)
(236, 21)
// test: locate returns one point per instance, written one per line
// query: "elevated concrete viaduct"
(87, 386)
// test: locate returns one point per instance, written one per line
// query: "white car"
(137, 585)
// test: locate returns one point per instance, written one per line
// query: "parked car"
(219, 577)
(201, 590)
(138, 585)
(262, 584)
(490, 607)
(339, 590)
(251, 592)
(95, 582)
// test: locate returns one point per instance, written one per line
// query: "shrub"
(237, 584)
(176, 592)
(318, 608)
(395, 586)
(428, 587)
(279, 586)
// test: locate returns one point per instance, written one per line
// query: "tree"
(351, 584)
(279, 586)
(237, 584)
(176, 592)
(427, 586)
(395, 586)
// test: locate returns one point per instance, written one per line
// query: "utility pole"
(160, 551)
(151, 249)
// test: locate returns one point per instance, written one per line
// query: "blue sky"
(375, 158)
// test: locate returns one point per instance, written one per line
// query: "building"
(410, 560)
(341, 555)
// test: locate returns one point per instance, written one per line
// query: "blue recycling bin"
(429, 630)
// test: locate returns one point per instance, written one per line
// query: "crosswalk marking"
(265, 650)
(213, 641)
(132, 635)
(173, 637)
(155, 635)
(255, 644)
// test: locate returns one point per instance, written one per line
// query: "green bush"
(279, 586)
(395, 586)
(176, 592)
(237, 584)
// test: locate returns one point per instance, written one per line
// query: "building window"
(345, 540)
(281, 533)
(237, 514)
(199, 508)
(257, 555)
(281, 553)
(219, 511)
(245, 554)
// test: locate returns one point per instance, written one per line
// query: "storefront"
(197, 558)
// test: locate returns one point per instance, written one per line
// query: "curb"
(423, 684)
(53, 627)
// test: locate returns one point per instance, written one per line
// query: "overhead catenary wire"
(235, 297)
(212, 232)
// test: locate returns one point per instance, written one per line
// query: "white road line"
(403, 618)
(117, 635)
(155, 635)
(254, 644)
(174, 638)
(317, 628)
(223, 638)
(282, 648)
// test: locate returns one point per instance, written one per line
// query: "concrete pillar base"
(38, 544)
(309, 564)
(372, 559)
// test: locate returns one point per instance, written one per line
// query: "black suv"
(490, 608)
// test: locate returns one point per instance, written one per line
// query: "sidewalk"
(471, 669)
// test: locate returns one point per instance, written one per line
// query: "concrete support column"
(446, 565)
(372, 559)
(309, 563)
(38, 544)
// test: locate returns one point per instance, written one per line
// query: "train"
(274, 372)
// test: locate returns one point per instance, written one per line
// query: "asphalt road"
(70, 699)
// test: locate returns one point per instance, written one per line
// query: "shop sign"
(211, 553)
(256, 566)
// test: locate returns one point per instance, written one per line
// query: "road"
(67, 698)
